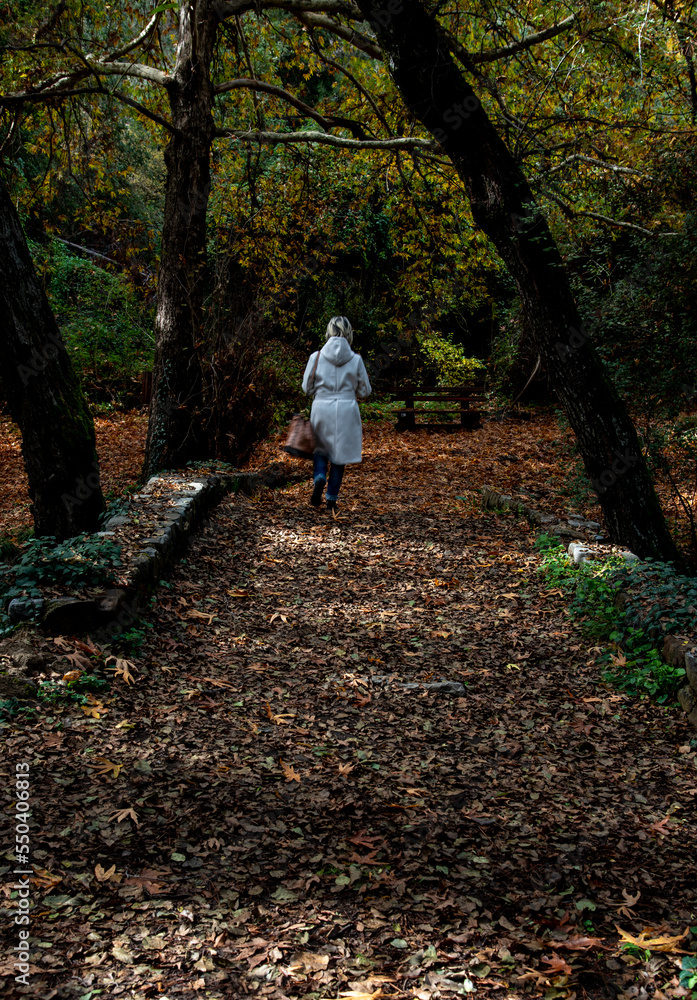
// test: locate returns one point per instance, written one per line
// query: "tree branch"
(573, 213)
(139, 70)
(135, 42)
(142, 110)
(228, 8)
(525, 43)
(355, 38)
(580, 158)
(323, 138)
(270, 88)
(333, 121)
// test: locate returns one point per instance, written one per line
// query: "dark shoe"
(331, 506)
(316, 498)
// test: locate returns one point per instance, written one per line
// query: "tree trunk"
(177, 429)
(503, 206)
(44, 395)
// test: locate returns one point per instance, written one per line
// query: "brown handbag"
(300, 440)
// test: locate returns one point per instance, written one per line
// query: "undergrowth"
(656, 601)
(82, 561)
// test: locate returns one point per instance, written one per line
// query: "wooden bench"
(461, 402)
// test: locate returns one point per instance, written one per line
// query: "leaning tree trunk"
(44, 395)
(177, 429)
(503, 206)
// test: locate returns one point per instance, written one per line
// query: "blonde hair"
(339, 326)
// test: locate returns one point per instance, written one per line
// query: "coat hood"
(337, 350)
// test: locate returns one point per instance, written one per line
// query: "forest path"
(310, 827)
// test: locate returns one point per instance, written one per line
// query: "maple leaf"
(123, 668)
(659, 827)
(78, 660)
(647, 943)
(345, 769)
(557, 964)
(289, 773)
(94, 709)
(44, 879)
(578, 943)
(217, 683)
(195, 613)
(121, 815)
(104, 766)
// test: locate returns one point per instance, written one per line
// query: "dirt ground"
(269, 808)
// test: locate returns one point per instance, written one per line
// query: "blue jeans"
(336, 474)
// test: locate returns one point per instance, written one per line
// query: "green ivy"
(82, 561)
(657, 601)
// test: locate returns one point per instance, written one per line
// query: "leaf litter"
(262, 805)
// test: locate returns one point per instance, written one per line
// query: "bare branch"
(355, 38)
(142, 110)
(269, 88)
(139, 70)
(525, 43)
(89, 253)
(573, 213)
(323, 138)
(332, 121)
(580, 158)
(138, 40)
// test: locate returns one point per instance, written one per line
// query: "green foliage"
(659, 597)
(449, 361)
(688, 973)
(83, 561)
(548, 543)
(637, 301)
(75, 692)
(106, 327)
(130, 642)
(11, 708)
(632, 662)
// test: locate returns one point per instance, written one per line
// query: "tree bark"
(44, 395)
(503, 206)
(177, 429)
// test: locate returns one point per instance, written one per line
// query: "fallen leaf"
(123, 814)
(104, 766)
(307, 961)
(102, 875)
(648, 943)
(557, 964)
(289, 773)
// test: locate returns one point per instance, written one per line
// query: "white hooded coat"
(335, 417)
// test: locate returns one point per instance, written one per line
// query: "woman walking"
(334, 375)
